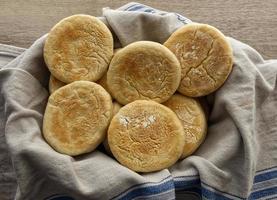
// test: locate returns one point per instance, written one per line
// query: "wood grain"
(251, 21)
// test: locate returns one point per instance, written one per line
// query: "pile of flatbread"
(140, 101)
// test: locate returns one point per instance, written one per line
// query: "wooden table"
(251, 21)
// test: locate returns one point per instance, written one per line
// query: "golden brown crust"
(143, 70)
(192, 116)
(103, 80)
(205, 57)
(55, 84)
(76, 117)
(146, 136)
(116, 108)
(79, 47)
(116, 50)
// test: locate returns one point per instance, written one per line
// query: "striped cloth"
(238, 159)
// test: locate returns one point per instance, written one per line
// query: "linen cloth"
(7, 175)
(238, 159)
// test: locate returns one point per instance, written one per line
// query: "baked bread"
(77, 117)
(205, 57)
(79, 47)
(54, 84)
(103, 80)
(116, 108)
(143, 70)
(146, 136)
(192, 116)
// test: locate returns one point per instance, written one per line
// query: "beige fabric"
(239, 148)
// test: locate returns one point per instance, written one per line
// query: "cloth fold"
(238, 159)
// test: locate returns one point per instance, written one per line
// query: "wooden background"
(251, 21)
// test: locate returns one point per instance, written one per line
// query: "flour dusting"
(150, 120)
(124, 120)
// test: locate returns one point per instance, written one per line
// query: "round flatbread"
(143, 70)
(103, 80)
(116, 108)
(205, 57)
(54, 84)
(79, 47)
(192, 116)
(146, 136)
(76, 117)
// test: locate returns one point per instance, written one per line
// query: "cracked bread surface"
(146, 136)
(205, 56)
(77, 117)
(192, 116)
(143, 70)
(78, 47)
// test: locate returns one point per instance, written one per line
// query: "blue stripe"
(265, 176)
(263, 193)
(140, 185)
(149, 10)
(212, 195)
(186, 184)
(136, 8)
(222, 191)
(201, 191)
(266, 169)
(131, 6)
(150, 190)
(197, 186)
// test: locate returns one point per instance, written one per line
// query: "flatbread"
(143, 70)
(79, 47)
(205, 56)
(55, 84)
(146, 136)
(77, 117)
(192, 116)
(116, 108)
(103, 80)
